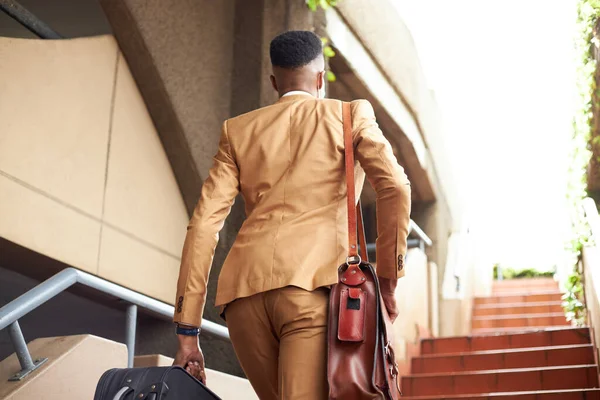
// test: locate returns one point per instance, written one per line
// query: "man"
(287, 160)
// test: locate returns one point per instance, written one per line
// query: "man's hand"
(388, 289)
(190, 357)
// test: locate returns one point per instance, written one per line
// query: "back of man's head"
(298, 62)
(295, 49)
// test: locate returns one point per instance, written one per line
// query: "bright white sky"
(503, 72)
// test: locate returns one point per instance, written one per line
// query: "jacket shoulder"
(362, 107)
(359, 107)
(244, 118)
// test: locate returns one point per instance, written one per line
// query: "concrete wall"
(83, 175)
(456, 295)
(384, 63)
(591, 269)
(417, 304)
(181, 57)
(412, 295)
(101, 168)
(74, 366)
(196, 64)
(70, 18)
(389, 42)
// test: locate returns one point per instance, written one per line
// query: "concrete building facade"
(106, 137)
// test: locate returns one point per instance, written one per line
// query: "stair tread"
(500, 371)
(515, 316)
(500, 351)
(544, 329)
(523, 293)
(519, 304)
(498, 394)
(515, 329)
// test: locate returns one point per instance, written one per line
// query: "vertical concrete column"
(280, 16)
(256, 23)
(436, 221)
(180, 54)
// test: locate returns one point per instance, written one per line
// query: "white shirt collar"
(297, 92)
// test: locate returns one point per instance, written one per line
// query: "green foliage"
(511, 273)
(328, 51)
(573, 303)
(588, 12)
(324, 4)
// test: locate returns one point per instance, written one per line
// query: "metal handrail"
(27, 302)
(416, 229)
(420, 242)
(26, 18)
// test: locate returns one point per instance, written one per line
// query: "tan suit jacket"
(287, 160)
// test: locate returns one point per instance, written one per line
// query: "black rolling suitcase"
(153, 383)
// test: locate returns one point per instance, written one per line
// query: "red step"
(523, 320)
(504, 359)
(554, 295)
(524, 288)
(510, 330)
(538, 338)
(517, 308)
(571, 394)
(508, 380)
(525, 282)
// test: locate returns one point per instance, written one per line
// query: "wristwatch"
(187, 331)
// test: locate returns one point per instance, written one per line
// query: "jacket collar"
(295, 96)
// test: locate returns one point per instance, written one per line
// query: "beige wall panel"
(452, 320)
(181, 56)
(434, 317)
(54, 115)
(44, 225)
(412, 297)
(135, 265)
(142, 196)
(74, 366)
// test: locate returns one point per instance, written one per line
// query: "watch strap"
(187, 331)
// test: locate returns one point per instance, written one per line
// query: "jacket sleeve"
(374, 153)
(217, 197)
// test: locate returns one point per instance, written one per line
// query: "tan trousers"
(280, 338)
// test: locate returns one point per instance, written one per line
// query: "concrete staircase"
(75, 364)
(521, 348)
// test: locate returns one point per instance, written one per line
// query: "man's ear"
(274, 83)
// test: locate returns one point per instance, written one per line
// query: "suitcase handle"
(124, 391)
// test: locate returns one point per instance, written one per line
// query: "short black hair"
(295, 49)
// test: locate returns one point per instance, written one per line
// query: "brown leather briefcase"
(361, 361)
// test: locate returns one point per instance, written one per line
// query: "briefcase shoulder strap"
(355, 215)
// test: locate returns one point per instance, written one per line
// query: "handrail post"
(130, 329)
(20, 346)
(18, 341)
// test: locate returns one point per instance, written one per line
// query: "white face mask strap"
(321, 92)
